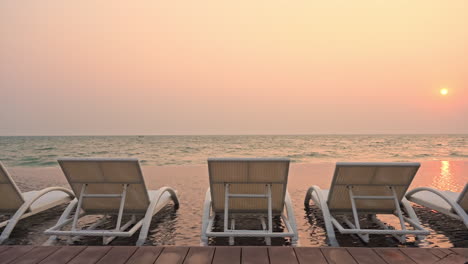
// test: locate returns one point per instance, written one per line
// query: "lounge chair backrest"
(369, 179)
(463, 198)
(11, 198)
(107, 176)
(248, 176)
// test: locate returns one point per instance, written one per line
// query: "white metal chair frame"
(331, 221)
(24, 211)
(456, 211)
(108, 235)
(231, 232)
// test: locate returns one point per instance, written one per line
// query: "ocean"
(43, 151)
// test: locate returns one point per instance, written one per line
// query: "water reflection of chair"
(368, 189)
(449, 203)
(20, 205)
(248, 186)
(109, 187)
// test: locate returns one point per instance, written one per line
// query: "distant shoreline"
(214, 135)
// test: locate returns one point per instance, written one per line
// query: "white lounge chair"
(21, 205)
(248, 186)
(369, 189)
(109, 187)
(449, 203)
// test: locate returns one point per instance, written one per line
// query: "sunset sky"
(233, 67)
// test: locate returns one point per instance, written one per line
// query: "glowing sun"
(444, 91)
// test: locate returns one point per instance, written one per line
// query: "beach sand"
(182, 227)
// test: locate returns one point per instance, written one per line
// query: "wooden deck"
(227, 255)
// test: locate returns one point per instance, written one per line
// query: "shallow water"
(193, 150)
(182, 226)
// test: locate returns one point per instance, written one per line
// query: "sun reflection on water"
(445, 180)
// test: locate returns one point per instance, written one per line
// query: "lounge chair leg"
(107, 240)
(12, 222)
(363, 236)
(332, 239)
(400, 238)
(77, 212)
(91, 227)
(294, 241)
(71, 206)
(205, 218)
(267, 239)
(233, 227)
(330, 230)
(412, 215)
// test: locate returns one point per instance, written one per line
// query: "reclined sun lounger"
(367, 189)
(449, 203)
(243, 186)
(21, 205)
(109, 187)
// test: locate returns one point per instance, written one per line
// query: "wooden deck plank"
(3, 248)
(255, 255)
(338, 255)
(279, 255)
(36, 255)
(227, 255)
(393, 256)
(453, 259)
(90, 255)
(461, 251)
(438, 253)
(306, 254)
(13, 253)
(145, 255)
(420, 255)
(172, 255)
(118, 255)
(446, 250)
(63, 255)
(200, 255)
(365, 256)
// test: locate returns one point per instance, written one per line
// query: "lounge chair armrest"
(322, 203)
(38, 195)
(309, 192)
(150, 212)
(455, 206)
(173, 194)
(17, 216)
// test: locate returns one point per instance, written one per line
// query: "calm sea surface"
(193, 150)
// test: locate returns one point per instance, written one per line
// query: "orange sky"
(233, 67)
